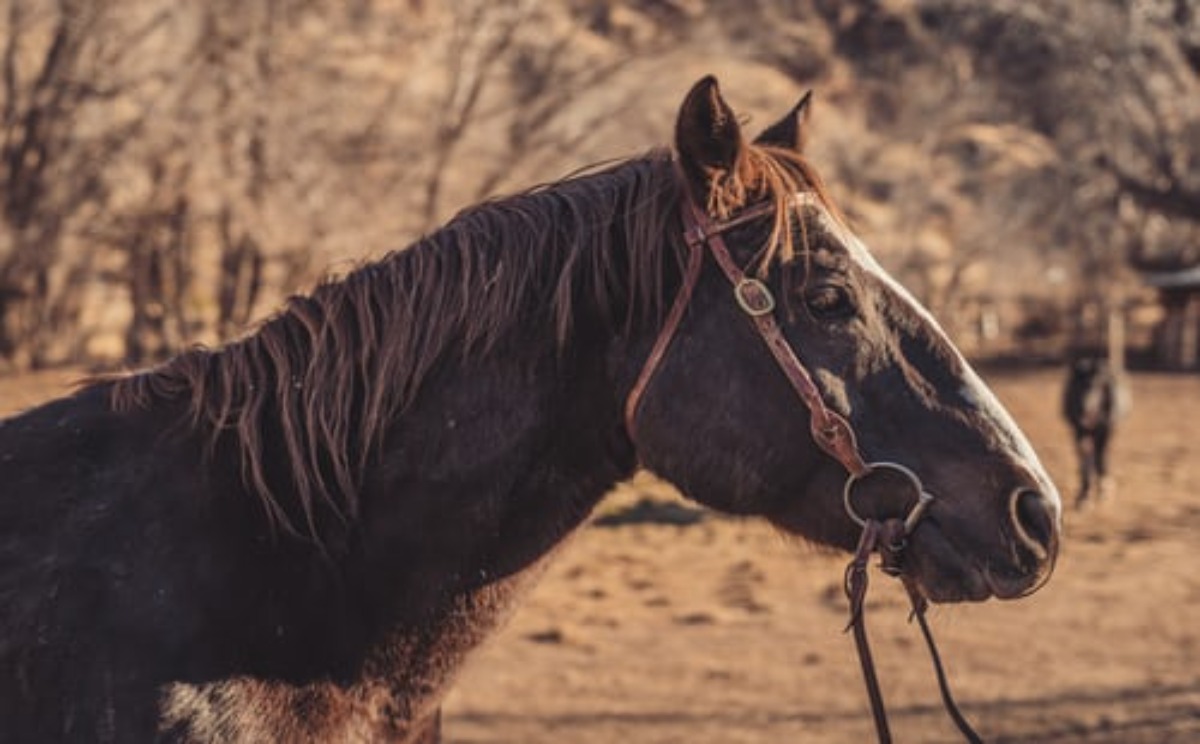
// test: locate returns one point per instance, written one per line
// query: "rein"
(887, 536)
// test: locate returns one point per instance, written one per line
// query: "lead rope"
(888, 539)
(855, 585)
(919, 604)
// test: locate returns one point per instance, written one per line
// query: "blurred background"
(169, 170)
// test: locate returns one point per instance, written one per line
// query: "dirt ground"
(672, 625)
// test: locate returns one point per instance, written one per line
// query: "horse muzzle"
(950, 567)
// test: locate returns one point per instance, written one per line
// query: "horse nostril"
(1034, 518)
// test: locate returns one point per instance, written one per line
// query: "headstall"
(831, 431)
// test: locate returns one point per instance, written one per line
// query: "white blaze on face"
(973, 390)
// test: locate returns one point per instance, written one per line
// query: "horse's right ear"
(707, 137)
(791, 131)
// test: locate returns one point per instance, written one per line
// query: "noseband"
(887, 535)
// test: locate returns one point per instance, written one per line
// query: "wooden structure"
(1177, 338)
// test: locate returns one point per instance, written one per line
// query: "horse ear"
(792, 130)
(707, 136)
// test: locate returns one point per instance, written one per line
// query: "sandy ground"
(680, 626)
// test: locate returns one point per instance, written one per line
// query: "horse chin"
(943, 574)
(945, 582)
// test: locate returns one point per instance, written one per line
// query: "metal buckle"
(924, 498)
(753, 297)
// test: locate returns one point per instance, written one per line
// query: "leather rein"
(831, 431)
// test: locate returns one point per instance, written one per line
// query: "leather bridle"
(887, 535)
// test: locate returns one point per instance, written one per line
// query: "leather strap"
(831, 431)
(855, 585)
(888, 539)
(665, 336)
(919, 604)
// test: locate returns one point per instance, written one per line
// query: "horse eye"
(828, 302)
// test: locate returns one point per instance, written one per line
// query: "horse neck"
(501, 439)
(500, 456)
(511, 441)
(528, 307)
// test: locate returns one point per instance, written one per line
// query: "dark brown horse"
(1095, 398)
(298, 536)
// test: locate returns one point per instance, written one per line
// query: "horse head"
(718, 416)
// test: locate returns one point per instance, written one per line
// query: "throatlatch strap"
(674, 318)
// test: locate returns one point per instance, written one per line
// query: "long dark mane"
(333, 368)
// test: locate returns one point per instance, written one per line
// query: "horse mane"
(322, 379)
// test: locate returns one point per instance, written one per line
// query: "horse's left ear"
(792, 130)
(707, 137)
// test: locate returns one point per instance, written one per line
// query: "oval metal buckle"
(924, 498)
(753, 297)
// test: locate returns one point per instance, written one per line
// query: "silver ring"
(924, 498)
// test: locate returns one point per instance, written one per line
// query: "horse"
(300, 534)
(1095, 397)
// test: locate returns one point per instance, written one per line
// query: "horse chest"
(396, 697)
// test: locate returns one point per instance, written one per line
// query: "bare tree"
(60, 70)
(513, 68)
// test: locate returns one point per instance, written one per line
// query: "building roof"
(1188, 278)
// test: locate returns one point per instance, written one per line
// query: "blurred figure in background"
(1096, 396)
